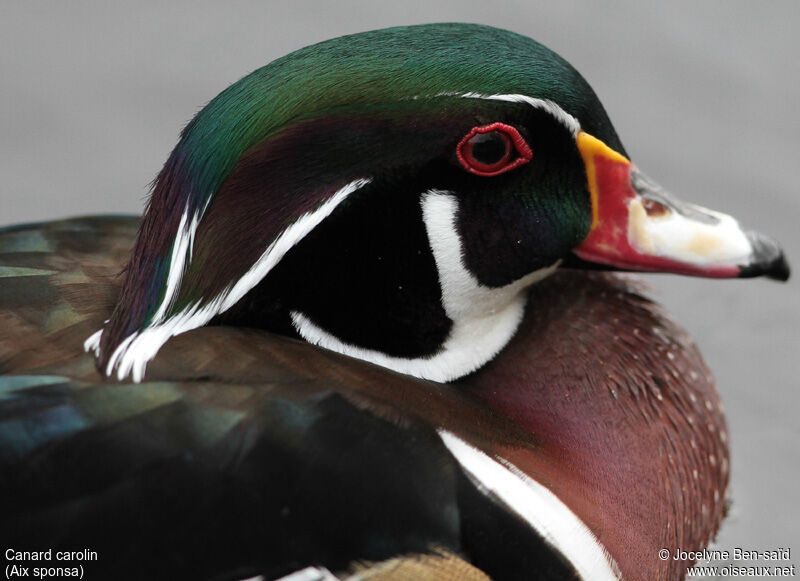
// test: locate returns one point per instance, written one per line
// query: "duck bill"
(636, 225)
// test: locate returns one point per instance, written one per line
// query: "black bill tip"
(767, 259)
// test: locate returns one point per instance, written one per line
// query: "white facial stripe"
(92, 343)
(132, 355)
(541, 509)
(547, 105)
(285, 242)
(551, 107)
(179, 259)
(180, 256)
(484, 319)
(690, 241)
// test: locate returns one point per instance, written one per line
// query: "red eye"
(493, 149)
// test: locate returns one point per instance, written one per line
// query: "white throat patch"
(484, 319)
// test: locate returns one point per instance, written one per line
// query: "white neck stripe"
(553, 520)
(133, 354)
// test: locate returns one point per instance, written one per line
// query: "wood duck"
(363, 331)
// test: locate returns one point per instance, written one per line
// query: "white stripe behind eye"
(547, 105)
(541, 509)
(132, 355)
(551, 107)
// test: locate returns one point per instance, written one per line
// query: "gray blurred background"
(705, 97)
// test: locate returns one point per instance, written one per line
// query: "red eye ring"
(513, 140)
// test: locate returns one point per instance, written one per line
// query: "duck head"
(391, 195)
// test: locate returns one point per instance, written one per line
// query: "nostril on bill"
(655, 209)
